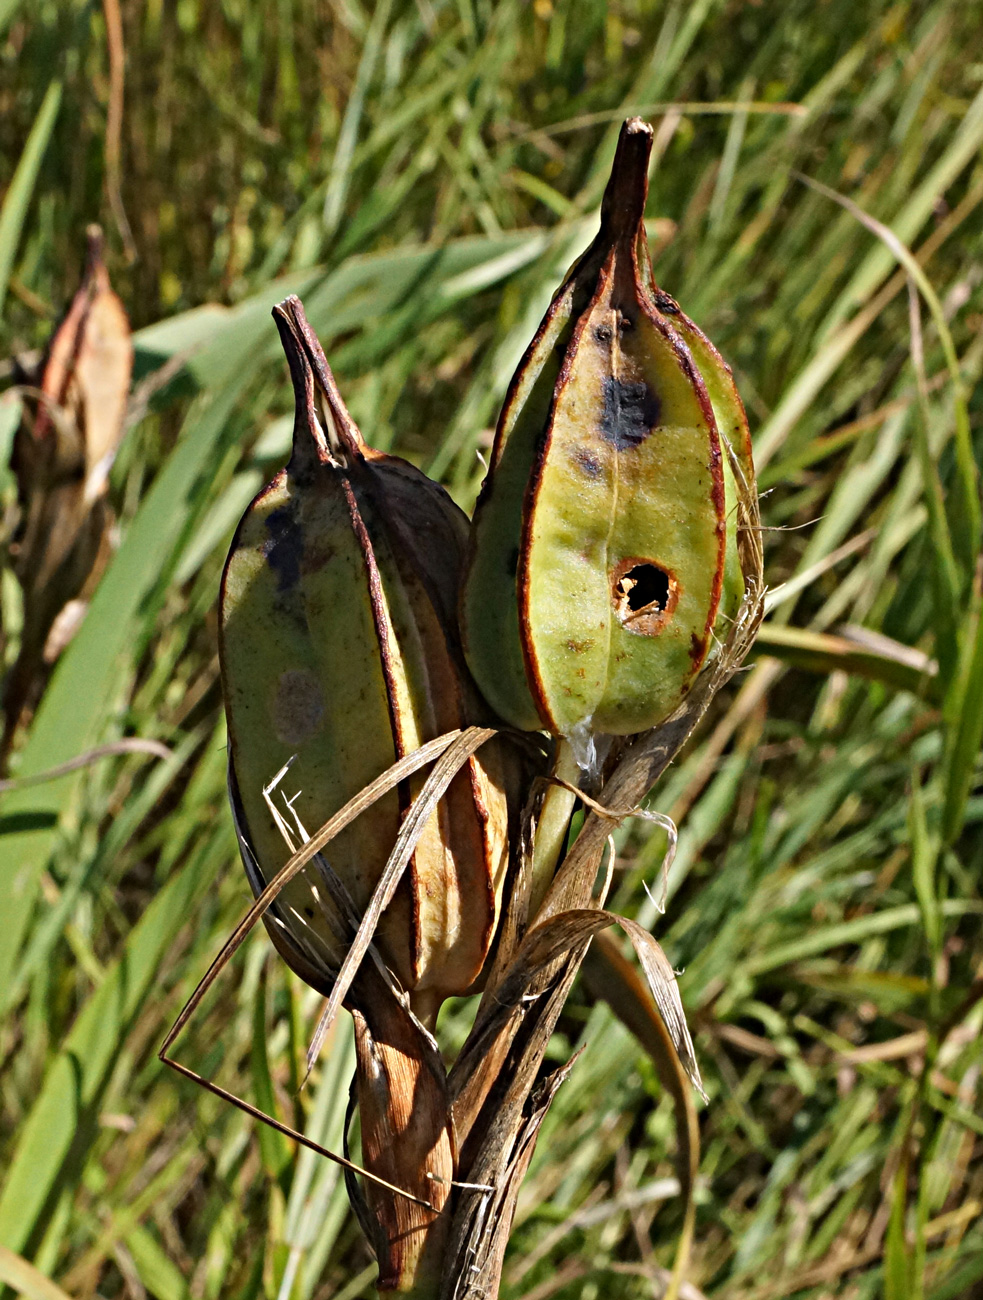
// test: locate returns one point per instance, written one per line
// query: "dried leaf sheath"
(407, 1138)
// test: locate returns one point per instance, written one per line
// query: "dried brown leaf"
(609, 975)
(407, 1139)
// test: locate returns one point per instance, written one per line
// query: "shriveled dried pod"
(74, 422)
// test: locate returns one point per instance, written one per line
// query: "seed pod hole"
(644, 596)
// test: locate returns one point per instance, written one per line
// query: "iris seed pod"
(600, 559)
(339, 656)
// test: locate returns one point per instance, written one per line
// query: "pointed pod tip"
(288, 336)
(637, 126)
(289, 317)
(309, 446)
(344, 433)
(623, 205)
(95, 244)
(292, 309)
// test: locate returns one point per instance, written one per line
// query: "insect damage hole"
(644, 595)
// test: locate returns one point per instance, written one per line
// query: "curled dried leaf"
(567, 932)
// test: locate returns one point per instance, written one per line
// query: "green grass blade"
(340, 175)
(318, 1206)
(855, 931)
(159, 1274)
(820, 652)
(917, 209)
(11, 408)
(25, 1279)
(272, 1144)
(966, 711)
(967, 506)
(18, 196)
(62, 1121)
(958, 1284)
(924, 855)
(898, 1283)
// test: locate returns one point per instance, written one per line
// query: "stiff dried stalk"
(445, 1153)
(455, 1148)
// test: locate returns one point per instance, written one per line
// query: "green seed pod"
(339, 657)
(599, 549)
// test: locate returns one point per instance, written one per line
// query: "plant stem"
(553, 824)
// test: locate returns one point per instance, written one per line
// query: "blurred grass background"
(421, 172)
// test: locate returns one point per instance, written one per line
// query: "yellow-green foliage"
(423, 172)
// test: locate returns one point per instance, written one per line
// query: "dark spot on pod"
(603, 333)
(284, 548)
(309, 912)
(697, 645)
(588, 463)
(631, 411)
(316, 556)
(665, 304)
(625, 322)
(578, 647)
(297, 706)
(513, 561)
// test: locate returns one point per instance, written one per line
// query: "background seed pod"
(63, 453)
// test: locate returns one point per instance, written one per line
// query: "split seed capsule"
(339, 655)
